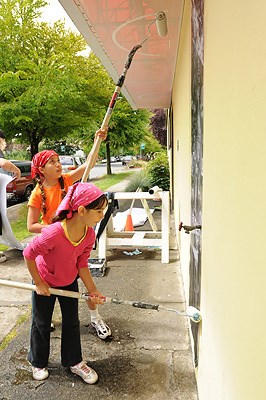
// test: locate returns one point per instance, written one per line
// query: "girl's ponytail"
(62, 186)
(61, 216)
(39, 181)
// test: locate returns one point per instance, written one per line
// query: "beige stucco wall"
(181, 154)
(232, 345)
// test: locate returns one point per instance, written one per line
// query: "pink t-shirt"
(57, 259)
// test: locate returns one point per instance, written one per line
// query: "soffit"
(112, 28)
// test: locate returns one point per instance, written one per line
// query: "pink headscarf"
(80, 194)
(39, 160)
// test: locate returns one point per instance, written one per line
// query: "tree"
(158, 126)
(49, 91)
(46, 87)
(151, 144)
(127, 128)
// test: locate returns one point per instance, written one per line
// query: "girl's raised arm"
(77, 174)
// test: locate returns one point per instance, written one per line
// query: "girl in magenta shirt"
(57, 258)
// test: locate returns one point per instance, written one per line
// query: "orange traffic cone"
(129, 224)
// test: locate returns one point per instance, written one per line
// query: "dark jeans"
(42, 311)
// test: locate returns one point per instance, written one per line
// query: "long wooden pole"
(92, 157)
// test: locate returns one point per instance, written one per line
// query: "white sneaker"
(39, 373)
(103, 330)
(85, 372)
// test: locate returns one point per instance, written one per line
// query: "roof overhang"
(113, 27)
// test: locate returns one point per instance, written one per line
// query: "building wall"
(181, 151)
(232, 343)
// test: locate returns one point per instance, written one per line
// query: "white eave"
(112, 28)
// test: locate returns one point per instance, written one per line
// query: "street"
(101, 169)
(97, 171)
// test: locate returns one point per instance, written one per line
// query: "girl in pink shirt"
(57, 258)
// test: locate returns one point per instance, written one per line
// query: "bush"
(139, 180)
(18, 155)
(158, 170)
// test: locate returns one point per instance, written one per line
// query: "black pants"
(42, 311)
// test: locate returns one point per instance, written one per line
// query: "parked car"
(112, 159)
(20, 189)
(126, 159)
(70, 163)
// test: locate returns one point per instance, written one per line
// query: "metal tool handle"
(192, 312)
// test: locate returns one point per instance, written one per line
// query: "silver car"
(69, 163)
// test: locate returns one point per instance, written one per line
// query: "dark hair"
(2, 135)
(97, 204)
(94, 205)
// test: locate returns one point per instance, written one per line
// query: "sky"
(54, 11)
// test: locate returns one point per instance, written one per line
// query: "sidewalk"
(149, 357)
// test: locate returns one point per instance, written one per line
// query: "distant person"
(51, 188)
(7, 166)
(57, 258)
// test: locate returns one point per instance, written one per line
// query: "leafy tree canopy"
(50, 91)
(46, 87)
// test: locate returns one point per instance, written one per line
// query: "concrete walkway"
(149, 357)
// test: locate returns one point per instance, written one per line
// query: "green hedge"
(158, 170)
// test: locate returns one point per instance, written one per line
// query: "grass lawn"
(109, 180)
(19, 226)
